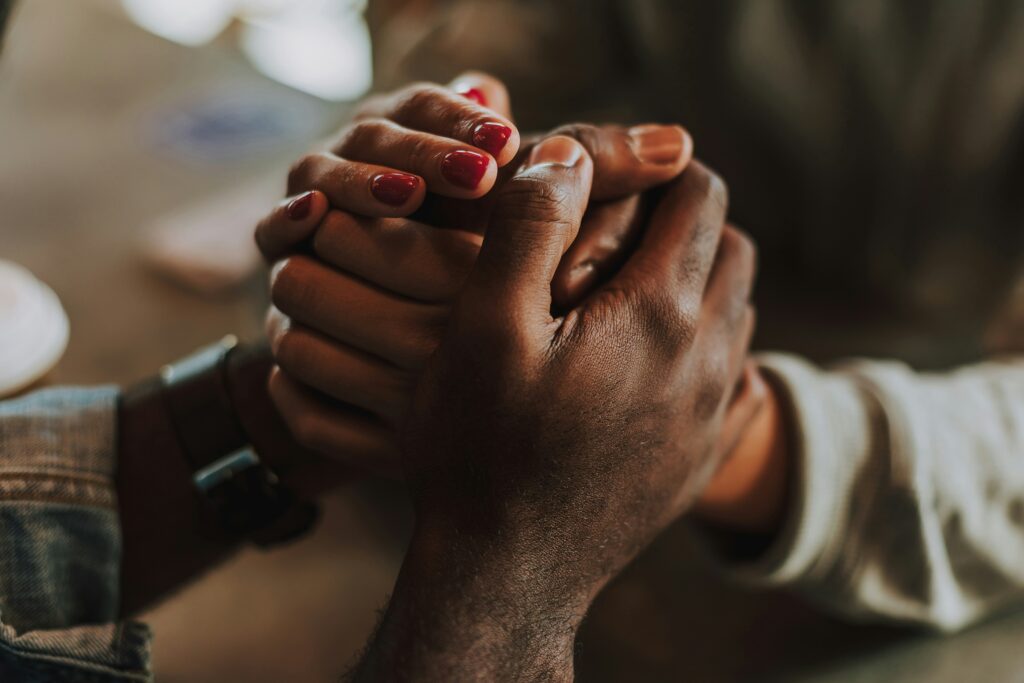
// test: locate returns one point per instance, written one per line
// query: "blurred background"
(141, 141)
(134, 168)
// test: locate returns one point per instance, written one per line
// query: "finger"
(731, 342)
(732, 277)
(332, 430)
(485, 90)
(366, 189)
(435, 109)
(289, 224)
(405, 257)
(618, 170)
(536, 216)
(398, 330)
(607, 235)
(633, 160)
(450, 168)
(727, 317)
(339, 371)
(678, 249)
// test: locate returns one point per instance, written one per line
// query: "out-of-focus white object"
(33, 329)
(189, 22)
(321, 47)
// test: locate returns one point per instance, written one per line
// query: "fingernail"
(659, 145)
(394, 189)
(474, 94)
(464, 168)
(491, 137)
(298, 208)
(559, 150)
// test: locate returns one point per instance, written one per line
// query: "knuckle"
(421, 153)
(536, 199)
(302, 172)
(327, 235)
(670, 323)
(659, 318)
(687, 316)
(290, 283)
(654, 319)
(416, 101)
(274, 324)
(289, 350)
(707, 185)
(358, 136)
(739, 253)
(590, 136)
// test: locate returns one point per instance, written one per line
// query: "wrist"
(748, 492)
(464, 610)
(508, 567)
(165, 538)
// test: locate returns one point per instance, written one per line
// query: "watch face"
(33, 329)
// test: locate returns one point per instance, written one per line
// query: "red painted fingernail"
(474, 94)
(394, 189)
(464, 168)
(299, 207)
(491, 137)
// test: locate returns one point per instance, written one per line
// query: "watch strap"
(244, 497)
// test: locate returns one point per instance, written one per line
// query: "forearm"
(469, 614)
(169, 534)
(166, 536)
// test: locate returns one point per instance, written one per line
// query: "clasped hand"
(546, 338)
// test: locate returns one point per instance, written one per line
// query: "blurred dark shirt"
(874, 149)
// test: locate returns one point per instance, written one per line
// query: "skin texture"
(357, 319)
(167, 539)
(520, 480)
(371, 301)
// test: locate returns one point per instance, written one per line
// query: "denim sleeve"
(60, 542)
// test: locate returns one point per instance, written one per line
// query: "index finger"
(632, 160)
(678, 249)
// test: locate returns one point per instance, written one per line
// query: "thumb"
(535, 218)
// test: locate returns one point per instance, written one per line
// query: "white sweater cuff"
(830, 428)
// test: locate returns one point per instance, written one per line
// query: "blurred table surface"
(78, 180)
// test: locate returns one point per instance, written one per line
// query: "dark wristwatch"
(242, 494)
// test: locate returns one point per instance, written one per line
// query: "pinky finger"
(342, 434)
